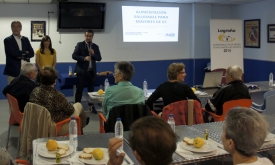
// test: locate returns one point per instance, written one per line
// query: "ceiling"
(25, 1)
(214, 2)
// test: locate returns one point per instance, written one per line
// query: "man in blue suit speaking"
(18, 51)
(86, 53)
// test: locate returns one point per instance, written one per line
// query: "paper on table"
(200, 93)
(75, 161)
(95, 94)
(269, 143)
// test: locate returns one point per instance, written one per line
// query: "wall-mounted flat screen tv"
(81, 15)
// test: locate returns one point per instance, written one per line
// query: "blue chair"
(262, 107)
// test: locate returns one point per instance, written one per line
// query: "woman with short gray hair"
(126, 68)
(244, 132)
(124, 92)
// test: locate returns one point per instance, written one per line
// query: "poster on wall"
(226, 43)
(38, 30)
(271, 33)
(252, 33)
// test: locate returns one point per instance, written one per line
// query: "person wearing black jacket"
(234, 89)
(86, 53)
(174, 89)
(18, 50)
(22, 86)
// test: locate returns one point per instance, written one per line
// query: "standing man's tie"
(90, 62)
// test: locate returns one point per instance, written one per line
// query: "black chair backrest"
(128, 114)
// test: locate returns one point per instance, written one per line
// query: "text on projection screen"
(150, 24)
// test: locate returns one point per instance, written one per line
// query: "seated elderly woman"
(47, 96)
(152, 141)
(124, 92)
(173, 90)
(244, 133)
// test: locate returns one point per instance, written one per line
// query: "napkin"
(200, 93)
(75, 161)
(41, 160)
(271, 142)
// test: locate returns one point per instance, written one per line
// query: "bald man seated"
(233, 90)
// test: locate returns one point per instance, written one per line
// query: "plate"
(269, 137)
(200, 93)
(43, 151)
(207, 147)
(93, 161)
(96, 94)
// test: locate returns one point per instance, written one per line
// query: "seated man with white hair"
(233, 90)
(21, 87)
(244, 132)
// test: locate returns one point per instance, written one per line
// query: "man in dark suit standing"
(86, 53)
(18, 51)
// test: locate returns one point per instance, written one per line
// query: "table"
(93, 99)
(260, 83)
(264, 85)
(98, 99)
(68, 82)
(215, 132)
(92, 140)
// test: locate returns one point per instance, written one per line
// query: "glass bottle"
(205, 134)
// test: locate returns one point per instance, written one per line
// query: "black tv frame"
(67, 29)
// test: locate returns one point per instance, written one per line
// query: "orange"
(51, 145)
(98, 154)
(198, 142)
(100, 91)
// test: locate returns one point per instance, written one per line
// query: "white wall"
(263, 10)
(110, 41)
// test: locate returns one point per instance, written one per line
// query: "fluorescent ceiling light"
(171, 1)
(40, 1)
(149, 0)
(15, 1)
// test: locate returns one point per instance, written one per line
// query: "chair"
(186, 112)
(61, 123)
(5, 158)
(16, 117)
(25, 162)
(37, 123)
(228, 105)
(128, 114)
(262, 107)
